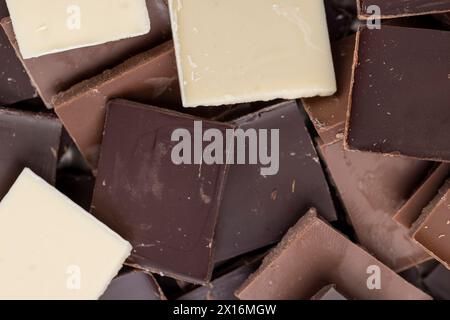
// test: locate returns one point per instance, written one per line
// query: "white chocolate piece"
(49, 26)
(236, 51)
(50, 248)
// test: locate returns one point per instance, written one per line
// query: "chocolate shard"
(224, 287)
(432, 229)
(328, 114)
(133, 285)
(329, 292)
(271, 204)
(312, 255)
(167, 211)
(372, 188)
(27, 140)
(412, 209)
(438, 283)
(404, 8)
(150, 77)
(58, 72)
(389, 113)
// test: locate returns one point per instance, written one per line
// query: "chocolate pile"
(127, 168)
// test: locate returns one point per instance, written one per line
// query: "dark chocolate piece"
(257, 210)
(372, 188)
(57, 72)
(27, 140)
(133, 285)
(341, 15)
(312, 255)
(412, 209)
(438, 283)
(444, 19)
(390, 112)
(150, 77)
(403, 8)
(222, 288)
(168, 212)
(328, 114)
(329, 293)
(77, 186)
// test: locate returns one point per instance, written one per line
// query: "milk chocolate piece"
(133, 285)
(329, 293)
(432, 229)
(396, 8)
(389, 113)
(372, 188)
(57, 72)
(328, 114)
(222, 288)
(167, 211)
(312, 255)
(438, 283)
(150, 77)
(412, 209)
(27, 140)
(15, 84)
(271, 204)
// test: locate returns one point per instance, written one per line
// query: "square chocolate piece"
(400, 103)
(167, 211)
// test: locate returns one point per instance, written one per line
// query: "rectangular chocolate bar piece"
(27, 140)
(271, 203)
(133, 285)
(312, 255)
(58, 72)
(390, 113)
(51, 248)
(403, 8)
(432, 229)
(150, 77)
(167, 210)
(372, 188)
(49, 26)
(233, 51)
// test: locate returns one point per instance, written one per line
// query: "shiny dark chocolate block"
(403, 8)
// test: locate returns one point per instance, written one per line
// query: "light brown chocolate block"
(150, 77)
(372, 188)
(312, 255)
(412, 209)
(432, 229)
(328, 114)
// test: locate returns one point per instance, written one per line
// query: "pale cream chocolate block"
(49, 26)
(52, 249)
(234, 51)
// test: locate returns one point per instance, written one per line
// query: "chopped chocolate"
(57, 72)
(312, 255)
(27, 140)
(396, 8)
(271, 204)
(133, 285)
(167, 211)
(390, 112)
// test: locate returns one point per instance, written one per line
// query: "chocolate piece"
(444, 19)
(432, 229)
(329, 293)
(341, 15)
(372, 188)
(150, 77)
(133, 285)
(312, 255)
(15, 85)
(78, 187)
(438, 283)
(271, 204)
(389, 113)
(396, 8)
(3, 9)
(328, 114)
(57, 72)
(412, 209)
(167, 211)
(222, 288)
(27, 140)
(417, 274)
